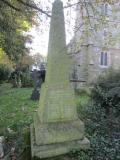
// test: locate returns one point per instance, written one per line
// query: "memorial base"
(55, 149)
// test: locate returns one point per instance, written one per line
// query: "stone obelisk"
(57, 129)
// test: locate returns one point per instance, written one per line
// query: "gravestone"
(57, 129)
(36, 82)
(38, 78)
(1, 147)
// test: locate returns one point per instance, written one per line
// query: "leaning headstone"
(57, 129)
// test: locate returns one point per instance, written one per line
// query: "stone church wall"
(87, 49)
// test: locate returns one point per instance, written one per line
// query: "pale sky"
(41, 33)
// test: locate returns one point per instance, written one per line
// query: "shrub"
(5, 72)
(102, 119)
(6, 66)
(21, 78)
(106, 92)
(26, 80)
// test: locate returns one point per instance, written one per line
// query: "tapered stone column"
(57, 129)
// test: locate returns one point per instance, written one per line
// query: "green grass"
(16, 108)
(82, 99)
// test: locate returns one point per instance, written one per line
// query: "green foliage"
(102, 119)
(107, 92)
(21, 77)
(80, 155)
(26, 79)
(12, 25)
(5, 72)
(5, 66)
(4, 59)
(82, 99)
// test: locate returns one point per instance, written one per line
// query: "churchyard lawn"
(16, 108)
(16, 115)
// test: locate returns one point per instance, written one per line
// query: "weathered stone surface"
(57, 103)
(58, 132)
(55, 149)
(1, 147)
(86, 46)
(57, 129)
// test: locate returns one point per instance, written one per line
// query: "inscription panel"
(60, 106)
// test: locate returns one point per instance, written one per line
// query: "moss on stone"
(57, 128)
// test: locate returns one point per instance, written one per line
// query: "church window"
(104, 59)
(104, 8)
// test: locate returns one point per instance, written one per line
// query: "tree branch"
(88, 13)
(34, 7)
(25, 4)
(10, 5)
(71, 5)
